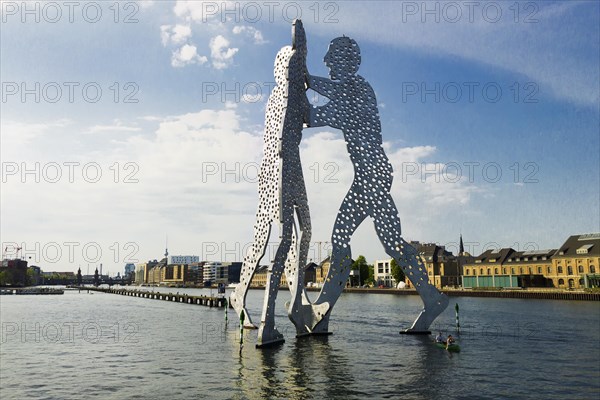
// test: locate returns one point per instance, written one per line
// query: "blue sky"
(175, 144)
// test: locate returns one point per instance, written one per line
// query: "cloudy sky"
(124, 123)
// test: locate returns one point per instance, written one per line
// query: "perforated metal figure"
(353, 109)
(282, 192)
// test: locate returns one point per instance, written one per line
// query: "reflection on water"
(124, 347)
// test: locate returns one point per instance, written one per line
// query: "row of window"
(561, 282)
(530, 270)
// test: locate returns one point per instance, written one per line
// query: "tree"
(30, 280)
(397, 272)
(4, 278)
(360, 265)
(371, 276)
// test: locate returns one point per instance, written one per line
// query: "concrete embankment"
(506, 294)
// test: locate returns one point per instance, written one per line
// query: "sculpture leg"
(387, 225)
(434, 301)
(300, 310)
(349, 218)
(237, 298)
(267, 332)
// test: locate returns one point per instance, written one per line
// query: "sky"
(130, 126)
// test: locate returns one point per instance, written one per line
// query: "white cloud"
(177, 34)
(116, 127)
(250, 31)
(17, 136)
(186, 55)
(220, 52)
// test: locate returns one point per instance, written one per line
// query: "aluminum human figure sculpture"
(282, 192)
(353, 109)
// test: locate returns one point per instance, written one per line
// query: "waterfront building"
(142, 272)
(175, 274)
(129, 269)
(196, 271)
(215, 272)
(260, 277)
(310, 274)
(382, 273)
(486, 270)
(442, 266)
(13, 272)
(530, 267)
(508, 268)
(321, 271)
(575, 264)
(234, 269)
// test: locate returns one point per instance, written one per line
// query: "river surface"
(106, 346)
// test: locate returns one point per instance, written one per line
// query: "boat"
(453, 348)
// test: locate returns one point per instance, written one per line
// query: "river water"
(107, 346)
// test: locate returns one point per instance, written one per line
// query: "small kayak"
(454, 348)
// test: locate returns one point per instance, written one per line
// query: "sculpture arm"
(320, 85)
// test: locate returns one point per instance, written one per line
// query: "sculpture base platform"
(270, 343)
(413, 332)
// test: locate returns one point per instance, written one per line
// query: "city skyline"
(176, 134)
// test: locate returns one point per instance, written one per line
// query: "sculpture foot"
(321, 312)
(306, 316)
(433, 308)
(237, 306)
(268, 337)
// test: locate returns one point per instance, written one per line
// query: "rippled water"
(109, 346)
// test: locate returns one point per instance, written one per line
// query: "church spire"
(461, 249)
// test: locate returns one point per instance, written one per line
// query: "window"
(560, 270)
(520, 270)
(512, 271)
(584, 249)
(580, 268)
(539, 270)
(549, 270)
(481, 271)
(504, 270)
(561, 282)
(530, 271)
(489, 271)
(592, 269)
(495, 271)
(569, 270)
(466, 272)
(581, 282)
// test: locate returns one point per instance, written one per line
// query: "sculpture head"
(342, 58)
